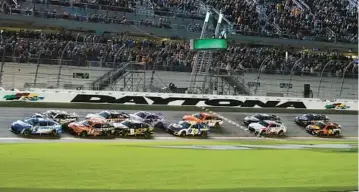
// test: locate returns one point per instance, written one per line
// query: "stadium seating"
(299, 19)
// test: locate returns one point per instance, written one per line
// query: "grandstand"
(123, 62)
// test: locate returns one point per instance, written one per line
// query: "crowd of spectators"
(85, 49)
(326, 20)
(333, 20)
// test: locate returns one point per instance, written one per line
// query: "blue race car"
(157, 120)
(36, 126)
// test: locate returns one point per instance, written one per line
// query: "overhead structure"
(202, 80)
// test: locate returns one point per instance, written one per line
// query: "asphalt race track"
(230, 127)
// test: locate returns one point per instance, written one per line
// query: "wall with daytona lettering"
(132, 98)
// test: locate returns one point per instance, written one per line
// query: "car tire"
(204, 134)
(217, 126)
(337, 134)
(319, 134)
(83, 134)
(183, 134)
(26, 132)
(108, 134)
(281, 133)
(147, 135)
(54, 133)
(124, 134)
(159, 125)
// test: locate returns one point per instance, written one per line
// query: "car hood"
(250, 118)
(92, 115)
(119, 125)
(135, 117)
(256, 126)
(22, 123)
(175, 126)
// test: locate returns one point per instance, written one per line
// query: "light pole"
(62, 55)
(291, 71)
(38, 62)
(321, 76)
(259, 74)
(345, 69)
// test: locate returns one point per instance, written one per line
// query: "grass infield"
(139, 167)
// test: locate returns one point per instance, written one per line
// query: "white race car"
(59, 116)
(184, 128)
(267, 127)
(260, 117)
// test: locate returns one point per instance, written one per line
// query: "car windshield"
(86, 123)
(198, 115)
(258, 116)
(126, 123)
(320, 125)
(265, 124)
(185, 124)
(104, 114)
(31, 121)
(309, 116)
(141, 114)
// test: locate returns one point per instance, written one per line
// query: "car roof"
(271, 122)
(57, 111)
(132, 121)
(207, 114)
(96, 120)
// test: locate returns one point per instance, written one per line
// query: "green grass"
(128, 166)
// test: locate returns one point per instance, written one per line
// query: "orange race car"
(210, 119)
(91, 127)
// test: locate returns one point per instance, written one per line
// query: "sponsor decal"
(337, 106)
(23, 97)
(150, 100)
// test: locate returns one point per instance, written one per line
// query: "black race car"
(310, 118)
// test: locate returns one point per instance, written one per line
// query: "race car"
(59, 116)
(91, 127)
(185, 128)
(260, 117)
(133, 128)
(109, 116)
(324, 129)
(337, 106)
(157, 120)
(36, 126)
(208, 118)
(267, 127)
(310, 118)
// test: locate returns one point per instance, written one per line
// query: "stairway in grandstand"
(109, 78)
(238, 85)
(145, 9)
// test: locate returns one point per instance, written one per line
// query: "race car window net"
(265, 124)
(104, 115)
(185, 124)
(198, 116)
